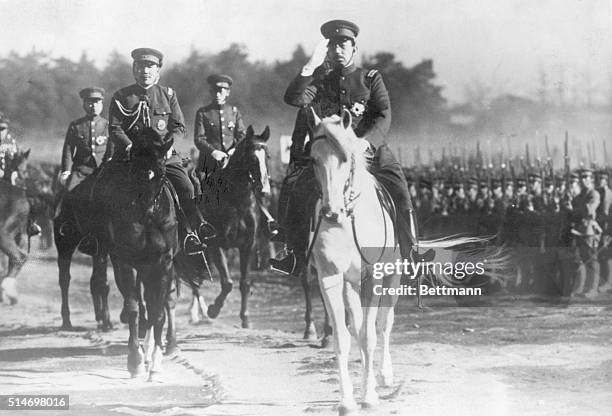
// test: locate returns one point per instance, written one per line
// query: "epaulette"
(234, 109)
(371, 73)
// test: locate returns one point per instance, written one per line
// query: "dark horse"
(14, 213)
(70, 234)
(230, 203)
(130, 211)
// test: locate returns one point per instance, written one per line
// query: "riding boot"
(192, 243)
(300, 203)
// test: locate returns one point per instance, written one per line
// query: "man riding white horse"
(330, 83)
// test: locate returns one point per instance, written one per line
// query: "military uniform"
(86, 147)
(362, 92)
(588, 234)
(603, 218)
(217, 127)
(135, 107)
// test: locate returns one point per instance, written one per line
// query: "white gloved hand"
(64, 177)
(218, 155)
(231, 151)
(317, 58)
(128, 151)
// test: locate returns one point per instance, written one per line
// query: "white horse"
(350, 219)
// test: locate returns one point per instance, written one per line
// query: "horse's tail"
(468, 261)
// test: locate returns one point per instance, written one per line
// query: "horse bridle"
(350, 198)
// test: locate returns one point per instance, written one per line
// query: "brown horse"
(230, 204)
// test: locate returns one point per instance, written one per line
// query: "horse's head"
(251, 155)
(16, 167)
(336, 153)
(148, 154)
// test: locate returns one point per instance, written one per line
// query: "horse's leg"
(194, 308)
(310, 332)
(65, 250)
(157, 293)
(332, 288)
(129, 287)
(245, 285)
(385, 324)
(218, 256)
(367, 336)
(171, 345)
(99, 291)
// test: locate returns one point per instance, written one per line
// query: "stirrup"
(192, 245)
(286, 265)
(273, 229)
(426, 257)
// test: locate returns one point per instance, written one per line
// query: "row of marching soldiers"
(557, 229)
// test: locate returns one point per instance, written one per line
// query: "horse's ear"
(26, 154)
(315, 117)
(266, 134)
(347, 119)
(250, 132)
(167, 145)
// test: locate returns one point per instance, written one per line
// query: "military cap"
(548, 181)
(495, 183)
(586, 172)
(473, 181)
(559, 179)
(602, 173)
(521, 182)
(574, 176)
(92, 93)
(448, 184)
(220, 80)
(339, 28)
(148, 54)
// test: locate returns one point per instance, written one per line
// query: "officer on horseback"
(86, 145)
(218, 126)
(148, 104)
(331, 82)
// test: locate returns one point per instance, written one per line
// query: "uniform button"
(342, 78)
(343, 91)
(222, 119)
(343, 106)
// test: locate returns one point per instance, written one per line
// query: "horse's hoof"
(347, 409)
(369, 405)
(136, 370)
(66, 326)
(171, 348)
(384, 380)
(213, 311)
(246, 324)
(12, 300)
(154, 376)
(310, 334)
(325, 342)
(106, 326)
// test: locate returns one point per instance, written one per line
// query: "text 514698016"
(34, 402)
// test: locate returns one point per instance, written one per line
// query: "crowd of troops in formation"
(557, 227)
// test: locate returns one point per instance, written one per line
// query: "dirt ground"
(517, 356)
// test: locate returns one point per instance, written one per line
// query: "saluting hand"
(317, 58)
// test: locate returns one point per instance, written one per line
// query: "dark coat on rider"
(358, 90)
(217, 128)
(86, 145)
(160, 110)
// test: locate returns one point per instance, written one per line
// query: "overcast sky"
(501, 44)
